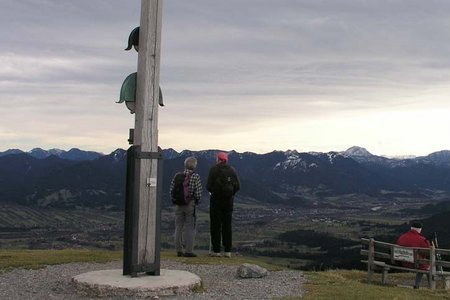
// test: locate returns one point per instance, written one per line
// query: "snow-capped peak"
(357, 151)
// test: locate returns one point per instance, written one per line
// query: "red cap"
(222, 156)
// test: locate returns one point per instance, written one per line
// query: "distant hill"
(72, 154)
(56, 182)
(439, 223)
(76, 178)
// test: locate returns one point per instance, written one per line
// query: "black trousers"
(220, 213)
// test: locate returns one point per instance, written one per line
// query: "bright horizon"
(237, 75)
(230, 150)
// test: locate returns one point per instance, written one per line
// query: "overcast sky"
(247, 75)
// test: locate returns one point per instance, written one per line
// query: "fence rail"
(386, 256)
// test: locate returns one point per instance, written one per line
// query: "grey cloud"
(295, 33)
(255, 59)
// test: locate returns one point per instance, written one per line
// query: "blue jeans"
(418, 279)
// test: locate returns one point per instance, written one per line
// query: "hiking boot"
(190, 255)
(215, 254)
(180, 254)
(228, 254)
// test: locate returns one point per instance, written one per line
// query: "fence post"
(371, 257)
(432, 271)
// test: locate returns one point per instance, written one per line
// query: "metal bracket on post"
(130, 267)
(149, 155)
(131, 137)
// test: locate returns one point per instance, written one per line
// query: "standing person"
(414, 238)
(223, 183)
(186, 192)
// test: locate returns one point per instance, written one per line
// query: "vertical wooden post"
(384, 275)
(370, 259)
(432, 272)
(146, 219)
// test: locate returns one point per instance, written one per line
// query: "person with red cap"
(414, 238)
(223, 183)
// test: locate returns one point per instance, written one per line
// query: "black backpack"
(180, 190)
(226, 182)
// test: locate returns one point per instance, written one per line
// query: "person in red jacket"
(414, 238)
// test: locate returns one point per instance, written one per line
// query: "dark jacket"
(216, 172)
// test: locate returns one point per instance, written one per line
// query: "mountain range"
(77, 178)
(73, 154)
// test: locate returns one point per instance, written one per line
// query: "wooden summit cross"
(144, 160)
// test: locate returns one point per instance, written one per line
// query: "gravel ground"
(220, 282)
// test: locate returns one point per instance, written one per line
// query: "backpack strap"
(187, 195)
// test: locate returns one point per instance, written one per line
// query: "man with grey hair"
(186, 193)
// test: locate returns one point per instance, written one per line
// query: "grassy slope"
(352, 285)
(335, 284)
(34, 259)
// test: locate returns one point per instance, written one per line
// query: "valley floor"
(308, 237)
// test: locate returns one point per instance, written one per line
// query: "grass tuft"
(199, 288)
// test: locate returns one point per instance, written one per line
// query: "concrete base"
(108, 283)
